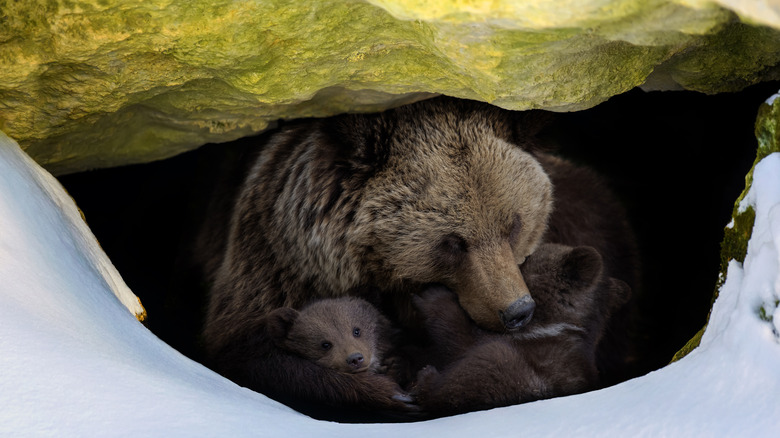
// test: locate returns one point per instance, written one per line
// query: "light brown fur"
(370, 200)
(477, 192)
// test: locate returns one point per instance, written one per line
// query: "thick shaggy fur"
(441, 191)
(554, 355)
(345, 334)
(430, 192)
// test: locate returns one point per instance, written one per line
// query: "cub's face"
(463, 210)
(340, 334)
(570, 291)
(564, 280)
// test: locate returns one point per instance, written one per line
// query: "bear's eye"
(356, 332)
(326, 345)
(451, 249)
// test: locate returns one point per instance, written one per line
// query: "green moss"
(689, 346)
(735, 240)
(767, 132)
(729, 60)
(767, 314)
(95, 83)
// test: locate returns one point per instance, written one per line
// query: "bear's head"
(343, 334)
(457, 201)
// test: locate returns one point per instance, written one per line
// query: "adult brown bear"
(380, 206)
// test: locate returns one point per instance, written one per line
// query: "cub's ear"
(581, 267)
(619, 292)
(279, 322)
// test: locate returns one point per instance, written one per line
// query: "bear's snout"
(491, 289)
(355, 361)
(518, 314)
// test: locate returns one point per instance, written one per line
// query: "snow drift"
(75, 362)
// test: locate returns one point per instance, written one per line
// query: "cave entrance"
(676, 159)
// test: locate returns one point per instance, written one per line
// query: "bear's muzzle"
(492, 290)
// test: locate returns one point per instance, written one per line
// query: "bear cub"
(345, 334)
(554, 355)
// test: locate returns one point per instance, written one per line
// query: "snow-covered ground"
(75, 362)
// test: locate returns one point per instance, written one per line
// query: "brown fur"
(277, 359)
(446, 191)
(427, 192)
(586, 214)
(554, 355)
(345, 334)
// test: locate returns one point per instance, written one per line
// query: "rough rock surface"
(98, 83)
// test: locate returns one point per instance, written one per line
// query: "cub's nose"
(518, 314)
(355, 360)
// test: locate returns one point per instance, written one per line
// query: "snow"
(75, 362)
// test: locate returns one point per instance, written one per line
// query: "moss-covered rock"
(95, 83)
(737, 234)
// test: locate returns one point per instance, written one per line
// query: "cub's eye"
(356, 332)
(326, 345)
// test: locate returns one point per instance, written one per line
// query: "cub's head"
(344, 334)
(570, 290)
(458, 200)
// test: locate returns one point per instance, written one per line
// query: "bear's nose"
(355, 360)
(518, 314)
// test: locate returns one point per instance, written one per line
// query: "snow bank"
(75, 362)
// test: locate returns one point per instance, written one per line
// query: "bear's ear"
(581, 267)
(279, 322)
(528, 127)
(619, 293)
(358, 142)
